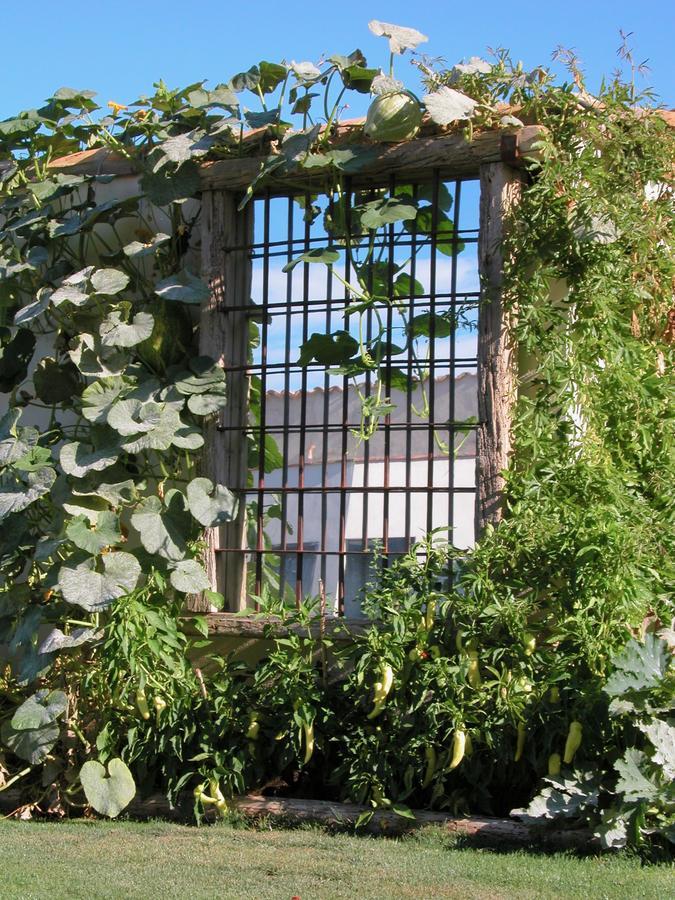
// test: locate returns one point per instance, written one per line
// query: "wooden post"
(223, 335)
(500, 188)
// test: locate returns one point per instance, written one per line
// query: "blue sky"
(119, 49)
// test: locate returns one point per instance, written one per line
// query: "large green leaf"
(98, 397)
(632, 782)
(33, 310)
(400, 37)
(15, 442)
(189, 577)
(184, 287)
(205, 376)
(170, 184)
(117, 333)
(33, 745)
(205, 387)
(324, 255)
(565, 798)
(132, 416)
(427, 224)
(56, 382)
(271, 75)
(109, 793)
(77, 458)
(376, 213)
(163, 528)
(136, 249)
(19, 490)
(328, 349)
(105, 533)
(188, 438)
(661, 733)
(56, 640)
(32, 731)
(73, 288)
(210, 506)
(358, 78)
(246, 81)
(94, 360)
(41, 709)
(109, 281)
(638, 667)
(115, 493)
(16, 352)
(446, 105)
(81, 583)
(151, 425)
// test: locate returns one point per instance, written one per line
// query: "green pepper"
(520, 742)
(529, 643)
(430, 614)
(253, 727)
(430, 754)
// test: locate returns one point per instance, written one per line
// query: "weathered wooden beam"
(452, 154)
(490, 831)
(223, 335)
(254, 627)
(500, 188)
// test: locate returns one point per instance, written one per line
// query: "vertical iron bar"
(347, 196)
(432, 348)
(453, 374)
(260, 527)
(326, 416)
(410, 388)
(303, 419)
(283, 553)
(388, 337)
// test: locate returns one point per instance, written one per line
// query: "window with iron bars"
(347, 466)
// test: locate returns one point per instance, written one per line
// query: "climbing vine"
(466, 693)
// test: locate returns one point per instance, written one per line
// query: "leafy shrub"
(629, 797)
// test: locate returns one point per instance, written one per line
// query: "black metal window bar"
(325, 508)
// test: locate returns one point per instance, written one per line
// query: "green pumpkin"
(393, 117)
(171, 338)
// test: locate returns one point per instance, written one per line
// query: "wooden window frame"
(495, 158)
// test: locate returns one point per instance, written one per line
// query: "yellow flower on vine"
(116, 107)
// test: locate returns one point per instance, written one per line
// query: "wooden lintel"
(452, 154)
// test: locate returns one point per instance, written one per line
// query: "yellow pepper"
(142, 703)
(573, 741)
(309, 742)
(474, 669)
(458, 749)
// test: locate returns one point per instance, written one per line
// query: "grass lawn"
(87, 859)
